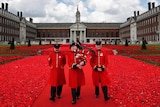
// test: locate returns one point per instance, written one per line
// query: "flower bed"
(150, 59)
(4, 59)
(134, 83)
(150, 55)
(7, 55)
(22, 81)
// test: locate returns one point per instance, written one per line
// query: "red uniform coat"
(56, 63)
(100, 58)
(76, 76)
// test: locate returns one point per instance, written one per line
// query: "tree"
(29, 43)
(116, 42)
(40, 42)
(126, 42)
(12, 44)
(144, 42)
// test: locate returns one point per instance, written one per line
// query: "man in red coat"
(76, 59)
(57, 61)
(99, 64)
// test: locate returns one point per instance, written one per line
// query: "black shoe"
(106, 98)
(59, 96)
(73, 101)
(97, 96)
(52, 99)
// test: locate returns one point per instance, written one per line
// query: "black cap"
(56, 46)
(73, 44)
(98, 42)
(76, 44)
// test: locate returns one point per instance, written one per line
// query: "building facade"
(145, 25)
(84, 32)
(15, 26)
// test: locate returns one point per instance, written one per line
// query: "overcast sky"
(59, 11)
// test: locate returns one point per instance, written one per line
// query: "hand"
(81, 63)
(79, 66)
(99, 69)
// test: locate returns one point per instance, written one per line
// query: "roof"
(67, 25)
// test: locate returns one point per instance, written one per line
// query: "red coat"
(76, 76)
(100, 77)
(56, 63)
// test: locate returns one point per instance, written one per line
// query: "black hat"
(76, 44)
(73, 44)
(56, 46)
(98, 42)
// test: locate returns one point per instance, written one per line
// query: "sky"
(63, 11)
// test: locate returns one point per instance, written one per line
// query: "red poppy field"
(7, 55)
(134, 83)
(150, 55)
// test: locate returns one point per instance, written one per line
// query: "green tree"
(144, 42)
(40, 42)
(126, 42)
(12, 47)
(116, 42)
(29, 43)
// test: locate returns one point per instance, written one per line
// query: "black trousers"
(104, 89)
(75, 92)
(57, 89)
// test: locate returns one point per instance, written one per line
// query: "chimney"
(18, 14)
(137, 13)
(149, 5)
(2, 6)
(31, 20)
(21, 14)
(6, 7)
(153, 5)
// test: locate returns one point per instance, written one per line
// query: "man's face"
(98, 47)
(56, 49)
(74, 48)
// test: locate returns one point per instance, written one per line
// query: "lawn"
(20, 51)
(150, 55)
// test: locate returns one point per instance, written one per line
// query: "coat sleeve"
(50, 59)
(106, 60)
(92, 60)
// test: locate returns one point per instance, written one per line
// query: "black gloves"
(101, 67)
(74, 66)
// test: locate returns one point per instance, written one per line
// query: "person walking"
(57, 61)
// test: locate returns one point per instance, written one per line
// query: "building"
(85, 32)
(145, 25)
(15, 26)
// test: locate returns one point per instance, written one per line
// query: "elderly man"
(76, 60)
(99, 63)
(57, 79)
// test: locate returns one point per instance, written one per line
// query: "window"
(117, 34)
(48, 34)
(107, 34)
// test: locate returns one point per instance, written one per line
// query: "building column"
(74, 36)
(22, 35)
(70, 36)
(81, 36)
(84, 36)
